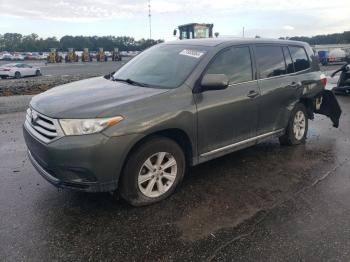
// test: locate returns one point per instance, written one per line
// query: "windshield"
(164, 66)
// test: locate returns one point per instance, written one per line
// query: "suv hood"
(89, 98)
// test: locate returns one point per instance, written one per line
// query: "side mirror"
(175, 32)
(109, 76)
(214, 82)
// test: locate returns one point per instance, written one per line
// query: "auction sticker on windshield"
(192, 53)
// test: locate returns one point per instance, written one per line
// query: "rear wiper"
(131, 82)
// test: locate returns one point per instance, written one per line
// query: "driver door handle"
(252, 94)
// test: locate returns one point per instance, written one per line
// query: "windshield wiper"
(129, 81)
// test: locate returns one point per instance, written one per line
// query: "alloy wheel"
(157, 174)
(299, 125)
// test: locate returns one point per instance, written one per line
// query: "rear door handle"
(252, 94)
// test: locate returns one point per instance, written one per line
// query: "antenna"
(149, 19)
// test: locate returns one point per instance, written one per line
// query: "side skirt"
(236, 146)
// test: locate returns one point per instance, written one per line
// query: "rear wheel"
(152, 172)
(18, 75)
(297, 127)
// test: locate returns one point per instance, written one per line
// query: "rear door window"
(235, 63)
(289, 61)
(300, 59)
(270, 60)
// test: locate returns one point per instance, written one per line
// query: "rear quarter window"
(300, 58)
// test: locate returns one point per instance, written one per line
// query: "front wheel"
(18, 75)
(297, 128)
(152, 172)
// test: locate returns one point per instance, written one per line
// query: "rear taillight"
(4, 69)
(323, 80)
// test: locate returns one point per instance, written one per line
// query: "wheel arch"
(175, 134)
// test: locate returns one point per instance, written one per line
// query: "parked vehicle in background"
(129, 53)
(100, 56)
(323, 57)
(34, 56)
(18, 70)
(108, 54)
(17, 57)
(343, 84)
(336, 56)
(6, 57)
(175, 105)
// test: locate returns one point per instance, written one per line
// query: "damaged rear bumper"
(328, 105)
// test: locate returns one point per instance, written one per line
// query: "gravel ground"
(54, 75)
(36, 85)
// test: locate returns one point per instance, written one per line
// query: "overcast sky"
(267, 18)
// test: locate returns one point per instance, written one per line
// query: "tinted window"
(301, 62)
(270, 60)
(235, 63)
(289, 61)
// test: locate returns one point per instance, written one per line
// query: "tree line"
(14, 42)
(337, 38)
(33, 43)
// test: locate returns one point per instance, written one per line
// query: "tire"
(297, 128)
(18, 75)
(37, 73)
(3, 77)
(148, 192)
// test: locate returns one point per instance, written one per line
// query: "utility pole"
(149, 19)
(243, 31)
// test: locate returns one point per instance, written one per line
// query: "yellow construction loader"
(116, 55)
(71, 56)
(53, 56)
(86, 57)
(100, 56)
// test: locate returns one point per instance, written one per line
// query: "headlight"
(87, 126)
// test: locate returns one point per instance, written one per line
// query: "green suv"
(177, 104)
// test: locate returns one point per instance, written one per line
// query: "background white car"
(18, 70)
(6, 57)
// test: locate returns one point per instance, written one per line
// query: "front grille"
(42, 127)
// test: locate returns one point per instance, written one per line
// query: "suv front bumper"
(81, 186)
(90, 163)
